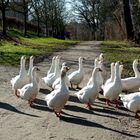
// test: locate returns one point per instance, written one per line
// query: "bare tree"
(36, 7)
(128, 20)
(23, 7)
(135, 10)
(3, 6)
(95, 13)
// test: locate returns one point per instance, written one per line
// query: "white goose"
(88, 94)
(57, 81)
(102, 66)
(112, 90)
(20, 80)
(49, 79)
(52, 67)
(76, 77)
(29, 91)
(58, 97)
(132, 102)
(132, 84)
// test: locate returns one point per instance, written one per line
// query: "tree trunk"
(25, 25)
(38, 30)
(128, 20)
(3, 22)
(46, 29)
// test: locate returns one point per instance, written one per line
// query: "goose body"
(58, 97)
(49, 79)
(131, 102)
(112, 90)
(76, 77)
(132, 84)
(29, 91)
(88, 94)
(20, 80)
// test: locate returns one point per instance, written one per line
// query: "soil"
(19, 121)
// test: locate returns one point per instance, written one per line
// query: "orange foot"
(30, 102)
(108, 102)
(89, 106)
(57, 114)
(137, 116)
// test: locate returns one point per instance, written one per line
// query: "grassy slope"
(121, 51)
(12, 50)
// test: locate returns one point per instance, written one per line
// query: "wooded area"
(96, 20)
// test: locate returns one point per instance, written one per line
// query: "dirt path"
(20, 122)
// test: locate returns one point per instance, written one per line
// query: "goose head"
(81, 59)
(120, 69)
(136, 62)
(101, 57)
(22, 62)
(31, 58)
(58, 57)
(23, 59)
(66, 64)
(64, 70)
(31, 61)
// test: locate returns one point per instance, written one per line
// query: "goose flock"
(26, 85)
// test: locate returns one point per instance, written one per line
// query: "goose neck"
(94, 77)
(22, 67)
(34, 81)
(112, 73)
(63, 82)
(80, 66)
(117, 74)
(136, 71)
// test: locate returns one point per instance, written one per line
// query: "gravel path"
(18, 121)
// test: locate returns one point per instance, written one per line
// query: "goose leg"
(30, 102)
(137, 116)
(97, 97)
(89, 106)
(118, 103)
(108, 102)
(57, 114)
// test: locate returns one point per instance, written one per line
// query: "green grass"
(11, 50)
(121, 51)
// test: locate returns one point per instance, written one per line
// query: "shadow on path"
(88, 123)
(9, 107)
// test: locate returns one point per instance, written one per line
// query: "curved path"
(20, 122)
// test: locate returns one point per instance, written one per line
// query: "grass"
(12, 49)
(121, 51)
